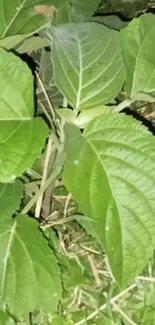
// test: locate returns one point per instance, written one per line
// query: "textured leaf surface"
(10, 197)
(87, 56)
(138, 54)
(21, 137)
(75, 10)
(29, 274)
(110, 172)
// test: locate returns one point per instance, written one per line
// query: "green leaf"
(86, 116)
(29, 274)
(19, 17)
(138, 55)
(10, 197)
(6, 319)
(31, 44)
(111, 21)
(67, 114)
(48, 319)
(21, 143)
(104, 320)
(11, 41)
(16, 88)
(149, 317)
(110, 172)
(88, 58)
(21, 137)
(75, 10)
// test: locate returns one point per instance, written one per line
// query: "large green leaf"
(10, 197)
(75, 10)
(110, 172)
(21, 137)
(19, 17)
(29, 274)
(87, 57)
(138, 54)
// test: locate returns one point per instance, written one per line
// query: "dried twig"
(45, 111)
(45, 172)
(66, 204)
(46, 96)
(114, 299)
(121, 312)
(145, 278)
(94, 270)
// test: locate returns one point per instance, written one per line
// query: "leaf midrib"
(13, 18)
(6, 258)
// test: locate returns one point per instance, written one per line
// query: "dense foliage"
(77, 176)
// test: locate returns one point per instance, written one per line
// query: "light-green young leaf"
(10, 197)
(86, 116)
(29, 274)
(21, 137)
(88, 59)
(138, 54)
(110, 172)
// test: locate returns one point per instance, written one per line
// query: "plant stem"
(46, 113)
(65, 102)
(27, 319)
(121, 106)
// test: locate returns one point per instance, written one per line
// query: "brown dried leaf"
(47, 11)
